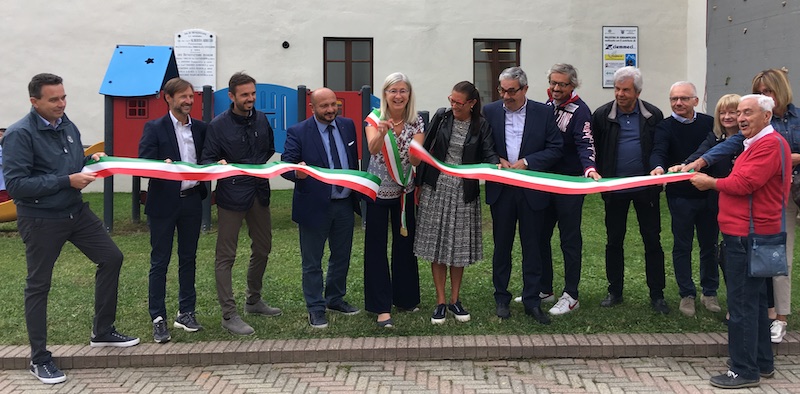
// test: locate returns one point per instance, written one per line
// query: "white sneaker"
(564, 305)
(543, 297)
(777, 331)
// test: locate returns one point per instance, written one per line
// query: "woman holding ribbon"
(449, 231)
(390, 131)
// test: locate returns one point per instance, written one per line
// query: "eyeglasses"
(682, 98)
(455, 103)
(510, 92)
(401, 92)
(765, 92)
(560, 84)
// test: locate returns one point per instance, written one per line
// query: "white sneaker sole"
(60, 379)
(462, 319)
(438, 321)
(185, 328)
(132, 342)
(556, 312)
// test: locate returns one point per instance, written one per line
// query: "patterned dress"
(449, 230)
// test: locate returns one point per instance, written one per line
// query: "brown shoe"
(687, 306)
(711, 303)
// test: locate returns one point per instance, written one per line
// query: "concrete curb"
(474, 347)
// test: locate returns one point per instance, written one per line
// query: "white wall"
(431, 41)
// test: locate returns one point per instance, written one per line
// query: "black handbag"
(766, 254)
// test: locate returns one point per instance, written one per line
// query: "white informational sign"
(196, 54)
(620, 49)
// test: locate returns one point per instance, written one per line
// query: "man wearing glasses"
(574, 120)
(624, 130)
(677, 137)
(526, 138)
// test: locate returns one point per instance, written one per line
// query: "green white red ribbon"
(394, 165)
(359, 181)
(543, 181)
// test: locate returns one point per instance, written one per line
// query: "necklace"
(395, 124)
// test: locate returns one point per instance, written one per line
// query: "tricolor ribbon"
(543, 181)
(359, 181)
(394, 165)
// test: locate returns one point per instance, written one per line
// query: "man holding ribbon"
(173, 205)
(323, 212)
(624, 130)
(390, 131)
(526, 138)
(241, 135)
(42, 168)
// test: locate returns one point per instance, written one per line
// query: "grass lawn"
(71, 298)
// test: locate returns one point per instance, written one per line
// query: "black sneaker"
(113, 339)
(768, 375)
(317, 319)
(439, 314)
(187, 322)
(344, 308)
(458, 311)
(160, 332)
(732, 380)
(48, 373)
(660, 305)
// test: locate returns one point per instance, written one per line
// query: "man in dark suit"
(323, 212)
(526, 138)
(173, 204)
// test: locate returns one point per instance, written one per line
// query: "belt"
(192, 191)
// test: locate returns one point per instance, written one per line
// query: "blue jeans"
(689, 214)
(337, 228)
(748, 329)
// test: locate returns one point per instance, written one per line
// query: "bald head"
(324, 104)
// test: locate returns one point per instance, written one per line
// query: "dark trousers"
(510, 208)
(43, 240)
(259, 226)
(567, 211)
(748, 328)
(401, 287)
(689, 214)
(646, 204)
(337, 228)
(187, 220)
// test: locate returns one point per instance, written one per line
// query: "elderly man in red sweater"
(757, 174)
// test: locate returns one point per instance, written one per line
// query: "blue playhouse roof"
(137, 70)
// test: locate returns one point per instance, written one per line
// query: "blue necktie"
(337, 162)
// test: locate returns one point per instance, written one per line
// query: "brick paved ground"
(603, 363)
(626, 375)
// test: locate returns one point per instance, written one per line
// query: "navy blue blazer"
(159, 143)
(304, 143)
(541, 146)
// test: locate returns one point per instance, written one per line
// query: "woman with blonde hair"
(390, 131)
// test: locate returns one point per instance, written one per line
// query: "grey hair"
(765, 102)
(568, 70)
(629, 72)
(515, 73)
(685, 83)
(409, 113)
